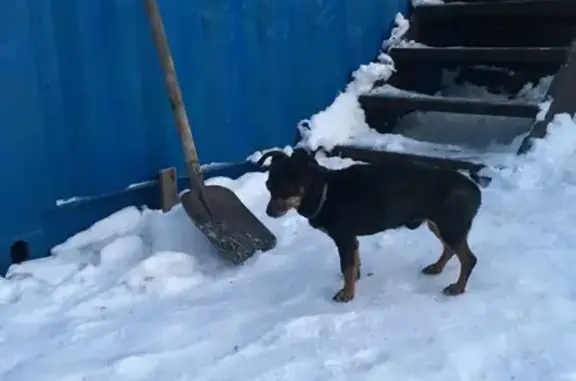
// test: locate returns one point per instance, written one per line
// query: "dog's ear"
(303, 156)
(273, 155)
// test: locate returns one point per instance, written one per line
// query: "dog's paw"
(432, 269)
(454, 289)
(343, 296)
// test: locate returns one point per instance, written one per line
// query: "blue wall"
(84, 112)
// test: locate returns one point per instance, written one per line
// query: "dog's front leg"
(344, 264)
(349, 265)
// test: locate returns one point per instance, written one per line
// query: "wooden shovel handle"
(175, 96)
(177, 104)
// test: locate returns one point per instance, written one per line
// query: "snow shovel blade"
(232, 229)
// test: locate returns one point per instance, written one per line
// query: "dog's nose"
(273, 209)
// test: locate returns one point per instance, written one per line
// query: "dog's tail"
(482, 181)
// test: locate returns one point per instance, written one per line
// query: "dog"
(365, 199)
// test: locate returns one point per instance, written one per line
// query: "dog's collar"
(321, 202)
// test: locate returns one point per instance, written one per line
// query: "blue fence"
(84, 112)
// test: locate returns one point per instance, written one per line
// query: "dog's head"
(288, 179)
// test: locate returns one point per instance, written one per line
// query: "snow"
(320, 130)
(402, 25)
(483, 139)
(141, 295)
(344, 119)
(551, 161)
(254, 157)
(488, 140)
(417, 3)
(117, 224)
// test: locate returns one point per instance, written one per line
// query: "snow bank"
(550, 161)
(12, 288)
(402, 25)
(341, 121)
(344, 118)
(123, 252)
(122, 222)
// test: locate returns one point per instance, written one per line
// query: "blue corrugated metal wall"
(83, 109)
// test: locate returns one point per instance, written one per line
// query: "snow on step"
(390, 97)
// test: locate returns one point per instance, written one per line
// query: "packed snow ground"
(141, 296)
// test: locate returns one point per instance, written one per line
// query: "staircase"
(500, 45)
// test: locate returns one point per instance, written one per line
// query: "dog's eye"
(290, 191)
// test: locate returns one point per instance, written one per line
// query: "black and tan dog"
(366, 199)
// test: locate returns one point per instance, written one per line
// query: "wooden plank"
(479, 55)
(563, 99)
(168, 183)
(411, 102)
(563, 9)
(374, 157)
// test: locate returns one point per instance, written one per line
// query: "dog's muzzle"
(277, 208)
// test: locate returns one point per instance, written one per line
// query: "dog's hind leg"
(467, 263)
(447, 253)
(453, 221)
(461, 249)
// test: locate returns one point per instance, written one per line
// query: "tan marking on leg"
(467, 263)
(351, 274)
(447, 254)
(348, 291)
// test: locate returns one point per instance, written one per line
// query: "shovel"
(219, 214)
